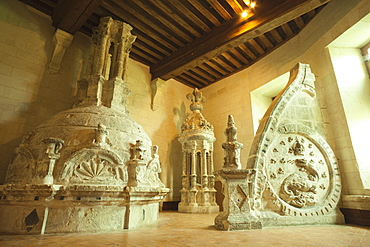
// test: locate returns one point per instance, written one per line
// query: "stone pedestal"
(40, 209)
(237, 214)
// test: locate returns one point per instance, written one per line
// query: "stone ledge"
(360, 202)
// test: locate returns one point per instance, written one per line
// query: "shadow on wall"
(48, 94)
(180, 116)
(175, 158)
(175, 151)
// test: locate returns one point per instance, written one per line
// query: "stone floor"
(180, 229)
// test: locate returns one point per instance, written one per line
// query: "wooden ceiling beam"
(162, 20)
(151, 36)
(276, 36)
(230, 34)
(238, 9)
(220, 9)
(45, 7)
(205, 12)
(132, 14)
(71, 15)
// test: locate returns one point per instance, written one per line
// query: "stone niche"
(292, 175)
(91, 168)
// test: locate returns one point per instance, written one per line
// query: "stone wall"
(29, 94)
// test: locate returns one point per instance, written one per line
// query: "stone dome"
(78, 130)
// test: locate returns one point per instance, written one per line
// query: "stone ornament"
(232, 147)
(293, 155)
(154, 168)
(293, 173)
(86, 169)
(198, 194)
(53, 146)
(195, 122)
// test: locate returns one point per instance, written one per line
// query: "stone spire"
(232, 146)
(197, 138)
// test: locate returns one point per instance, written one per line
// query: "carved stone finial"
(136, 168)
(197, 138)
(231, 146)
(197, 99)
(53, 146)
(230, 132)
(101, 135)
(137, 150)
(230, 122)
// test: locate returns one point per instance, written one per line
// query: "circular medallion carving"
(302, 175)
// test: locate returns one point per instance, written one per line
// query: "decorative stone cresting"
(198, 194)
(292, 176)
(87, 169)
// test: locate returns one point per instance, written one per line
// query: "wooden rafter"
(233, 33)
(70, 15)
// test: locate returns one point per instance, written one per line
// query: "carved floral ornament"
(94, 166)
(195, 122)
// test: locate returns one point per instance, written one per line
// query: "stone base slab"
(39, 209)
(233, 222)
(35, 219)
(272, 219)
(199, 209)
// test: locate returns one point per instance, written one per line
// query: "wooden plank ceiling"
(196, 42)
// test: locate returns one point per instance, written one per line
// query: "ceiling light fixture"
(250, 5)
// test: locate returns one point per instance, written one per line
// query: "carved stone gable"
(302, 176)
